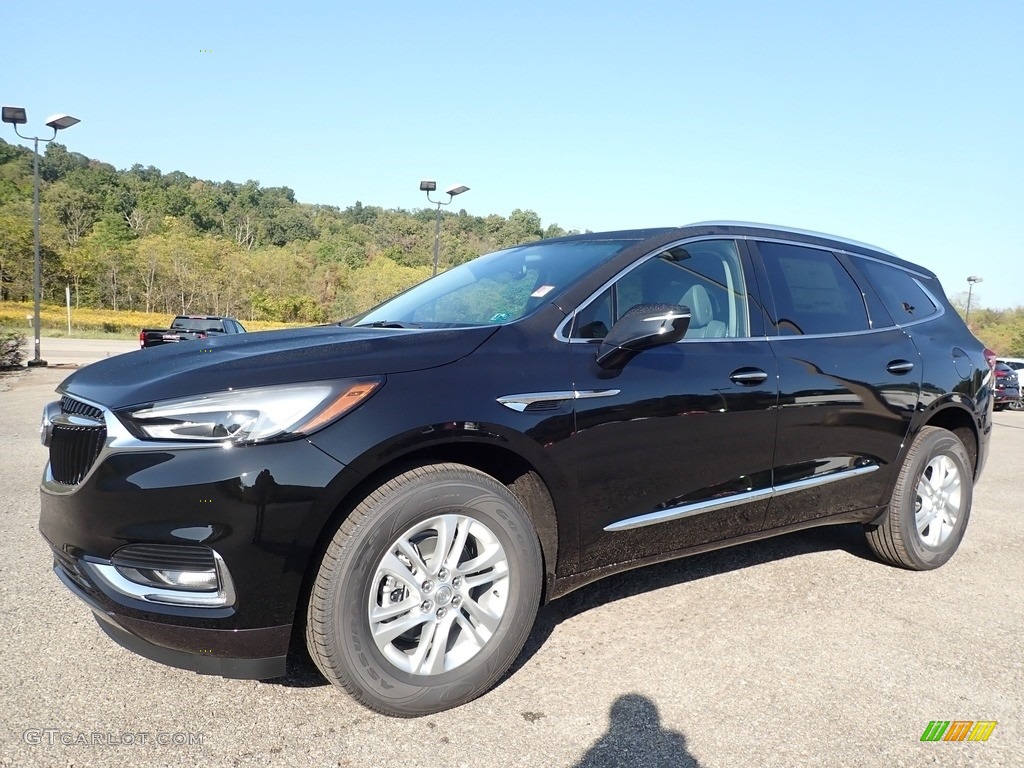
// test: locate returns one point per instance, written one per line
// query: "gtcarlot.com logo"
(959, 730)
(55, 736)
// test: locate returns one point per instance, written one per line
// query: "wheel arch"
(496, 459)
(958, 420)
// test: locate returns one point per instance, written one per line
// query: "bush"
(12, 349)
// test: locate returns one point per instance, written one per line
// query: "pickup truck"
(188, 327)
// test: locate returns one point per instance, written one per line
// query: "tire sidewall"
(363, 662)
(934, 445)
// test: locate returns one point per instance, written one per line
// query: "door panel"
(848, 386)
(841, 408)
(683, 430)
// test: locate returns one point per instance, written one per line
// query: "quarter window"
(813, 292)
(704, 276)
(901, 294)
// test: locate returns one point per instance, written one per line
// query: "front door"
(676, 448)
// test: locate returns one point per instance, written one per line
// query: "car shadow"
(847, 538)
(303, 673)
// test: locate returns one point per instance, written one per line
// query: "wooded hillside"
(142, 239)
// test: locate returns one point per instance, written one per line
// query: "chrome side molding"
(521, 402)
(710, 505)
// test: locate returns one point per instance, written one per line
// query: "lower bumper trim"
(240, 669)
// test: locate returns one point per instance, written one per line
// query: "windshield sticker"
(541, 292)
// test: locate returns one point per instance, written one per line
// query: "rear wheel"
(930, 506)
(427, 592)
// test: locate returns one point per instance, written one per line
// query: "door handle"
(748, 376)
(899, 366)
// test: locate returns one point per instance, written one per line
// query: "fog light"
(198, 581)
(166, 573)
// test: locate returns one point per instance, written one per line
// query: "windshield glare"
(496, 288)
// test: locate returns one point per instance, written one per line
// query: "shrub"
(12, 349)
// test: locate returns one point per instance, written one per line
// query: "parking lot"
(802, 650)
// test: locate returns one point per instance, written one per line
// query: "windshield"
(493, 289)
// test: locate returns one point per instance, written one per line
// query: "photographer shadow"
(635, 737)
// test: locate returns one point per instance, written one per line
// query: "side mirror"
(643, 327)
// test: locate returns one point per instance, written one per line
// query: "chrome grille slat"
(78, 408)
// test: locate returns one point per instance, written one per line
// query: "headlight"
(250, 415)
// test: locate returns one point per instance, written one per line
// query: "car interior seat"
(702, 321)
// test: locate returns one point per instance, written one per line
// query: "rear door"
(849, 383)
(675, 449)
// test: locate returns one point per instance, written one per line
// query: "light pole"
(428, 187)
(16, 116)
(970, 288)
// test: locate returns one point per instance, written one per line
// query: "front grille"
(74, 447)
(177, 557)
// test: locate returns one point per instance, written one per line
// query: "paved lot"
(59, 351)
(798, 651)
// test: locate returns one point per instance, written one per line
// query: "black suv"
(408, 486)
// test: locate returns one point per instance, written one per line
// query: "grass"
(96, 323)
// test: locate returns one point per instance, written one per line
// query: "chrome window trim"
(521, 402)
(560, 331)
(840, 334)
(711, 505)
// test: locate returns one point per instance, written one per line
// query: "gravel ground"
(802, 650)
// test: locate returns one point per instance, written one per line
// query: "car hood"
(265, 358)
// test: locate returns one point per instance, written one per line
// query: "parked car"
(189, 328)
(1017, 364)
(407, 487)
(1007, 393)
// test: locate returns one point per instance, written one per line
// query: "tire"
(930, 506)
(383, 594)
(1016, 405)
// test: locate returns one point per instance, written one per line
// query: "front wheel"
(930, 506)
(427, 592)
(1016, 405)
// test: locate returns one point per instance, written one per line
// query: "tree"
(16, 252)
(74, 210)
(109, 249)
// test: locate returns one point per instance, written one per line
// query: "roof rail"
(794, 231)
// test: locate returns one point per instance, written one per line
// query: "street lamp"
(428, 187)
(970, 288)
(16, 116)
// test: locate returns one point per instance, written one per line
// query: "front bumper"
(252, 654)
(260, 509)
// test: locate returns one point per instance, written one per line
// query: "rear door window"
(813, 292)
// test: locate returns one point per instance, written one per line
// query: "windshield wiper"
(388, 324)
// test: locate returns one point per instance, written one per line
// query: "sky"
(896, 123)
